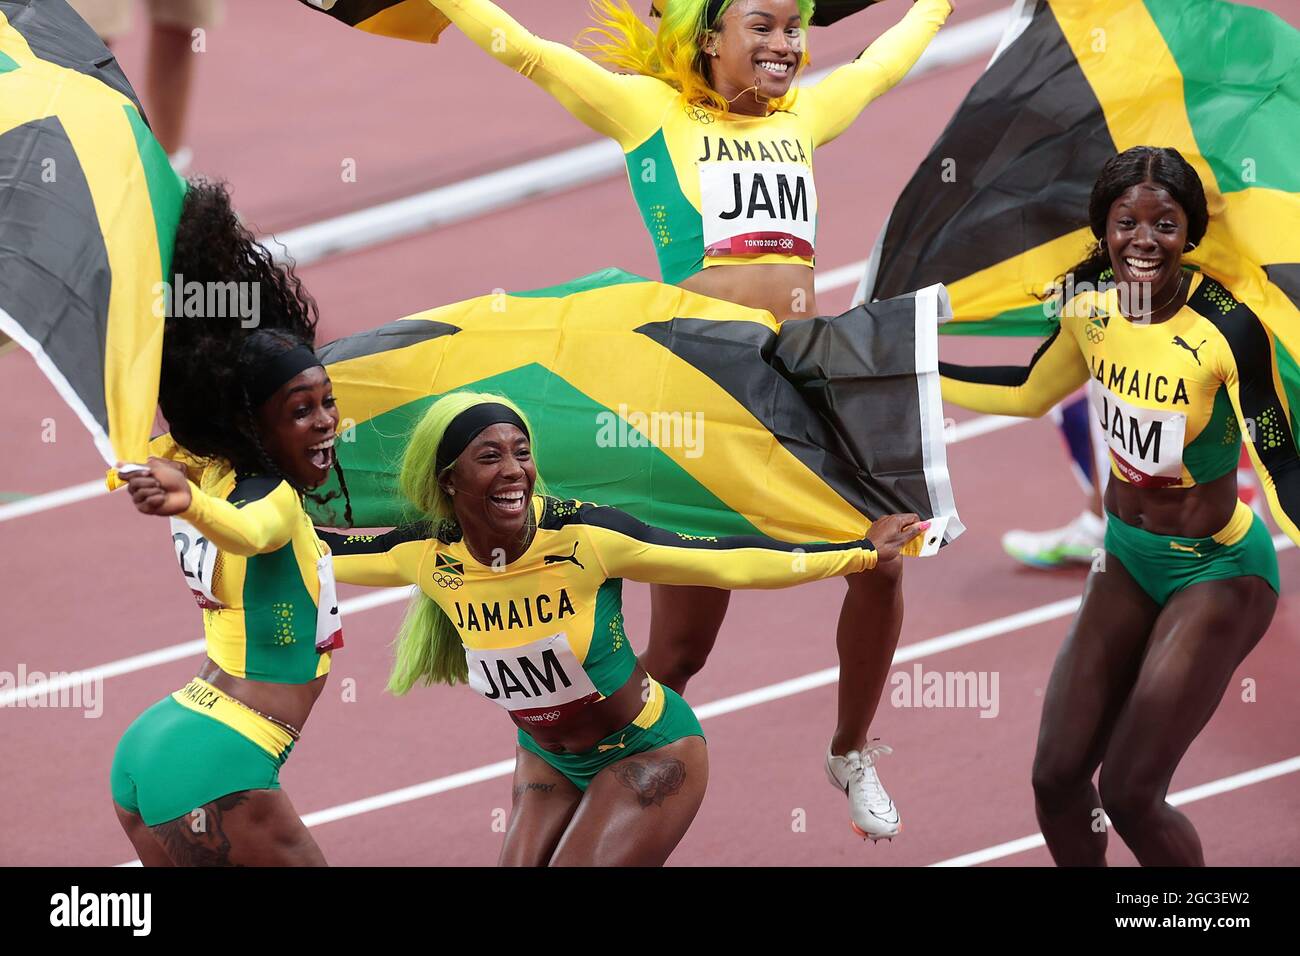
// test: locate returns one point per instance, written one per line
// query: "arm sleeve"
(388, 560)
(838, 99)
(1255, 389)
(260, 526)
(628, 548)
(1057, 369)
(613, 104)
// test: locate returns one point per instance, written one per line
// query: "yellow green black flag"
(689, 412)
(88, 212)
(405, 19)
(998, 209)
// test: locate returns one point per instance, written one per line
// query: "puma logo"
(1178, 340)
(1190, 549)
(601, 748)
(559, 558)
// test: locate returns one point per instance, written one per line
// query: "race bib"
(329, 623)
(198, 560)
(1146, 444)
(539, 683)
(751, 209)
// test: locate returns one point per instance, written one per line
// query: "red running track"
(92, 582)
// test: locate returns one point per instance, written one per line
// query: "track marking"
(558, 172)
(1224, 785)
(53, 499)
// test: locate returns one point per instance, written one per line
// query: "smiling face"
(1146, 232)
(298, 425)
(492, 484)
(758, 45)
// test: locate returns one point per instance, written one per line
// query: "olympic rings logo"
(447, 580)
(1095, 335)
(786, 243)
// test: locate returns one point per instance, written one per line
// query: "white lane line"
(53, 499)
(138, 662)
(558, 172)
(1182, 797)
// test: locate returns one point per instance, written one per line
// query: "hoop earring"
(1190, 247)
(1101, 244)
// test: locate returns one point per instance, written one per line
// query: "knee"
(1127, 801)
(1056, 783)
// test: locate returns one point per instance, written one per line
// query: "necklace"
(1177, 289)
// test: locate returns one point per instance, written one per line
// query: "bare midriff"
(785, 290)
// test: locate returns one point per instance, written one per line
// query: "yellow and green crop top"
(713, 188)
(256, 567)
(544, 634)
(1172, 398)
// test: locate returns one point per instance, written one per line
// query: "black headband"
(464, 428)
(712, 12)
(266, 377)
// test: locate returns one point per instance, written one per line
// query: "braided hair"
(207, 358)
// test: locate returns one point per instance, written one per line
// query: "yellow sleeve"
(622, 107)
(1249, 369)
(836, 101)
(259, 526)
(388, 560)
(628, 548)
(1057, 369)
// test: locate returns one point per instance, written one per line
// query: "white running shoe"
(1076, 543)
(873, 814)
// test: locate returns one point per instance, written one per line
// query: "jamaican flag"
(88, 211)
(998, 209)
(689, 412)
(405, 19)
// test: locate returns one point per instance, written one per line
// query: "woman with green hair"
(520, 597)
(719, 148)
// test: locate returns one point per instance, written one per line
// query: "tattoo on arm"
(199, 838)
(522, 788)
(651, 782)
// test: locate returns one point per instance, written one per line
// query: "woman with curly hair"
(1176, 369)
(195, 779)
(520, 596)
(719, 150)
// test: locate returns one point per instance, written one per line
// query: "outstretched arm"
(630, 548)
(615, 105)
(388, 560)
(836, 101)
(1057, 369)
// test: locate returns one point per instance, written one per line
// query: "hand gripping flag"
(405, 19)
(998, 209)
(88, 211)
(689, 412)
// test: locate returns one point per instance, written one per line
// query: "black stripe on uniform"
(250, 488)
(559, 514)
(375, 543)
(1010, 376)
(1252, 351)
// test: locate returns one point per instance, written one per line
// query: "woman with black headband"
(195, 779)
(520, 597)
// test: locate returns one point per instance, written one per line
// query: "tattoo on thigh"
(651, 782)
(522, 788)
(199, 838)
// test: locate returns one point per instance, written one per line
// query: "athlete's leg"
(542, 806)
(684, 624)
(1202, 635)
(167, 82)
(1093, 675)
(871, 620)
(146, 845)
(637, 810)
(248, 828)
